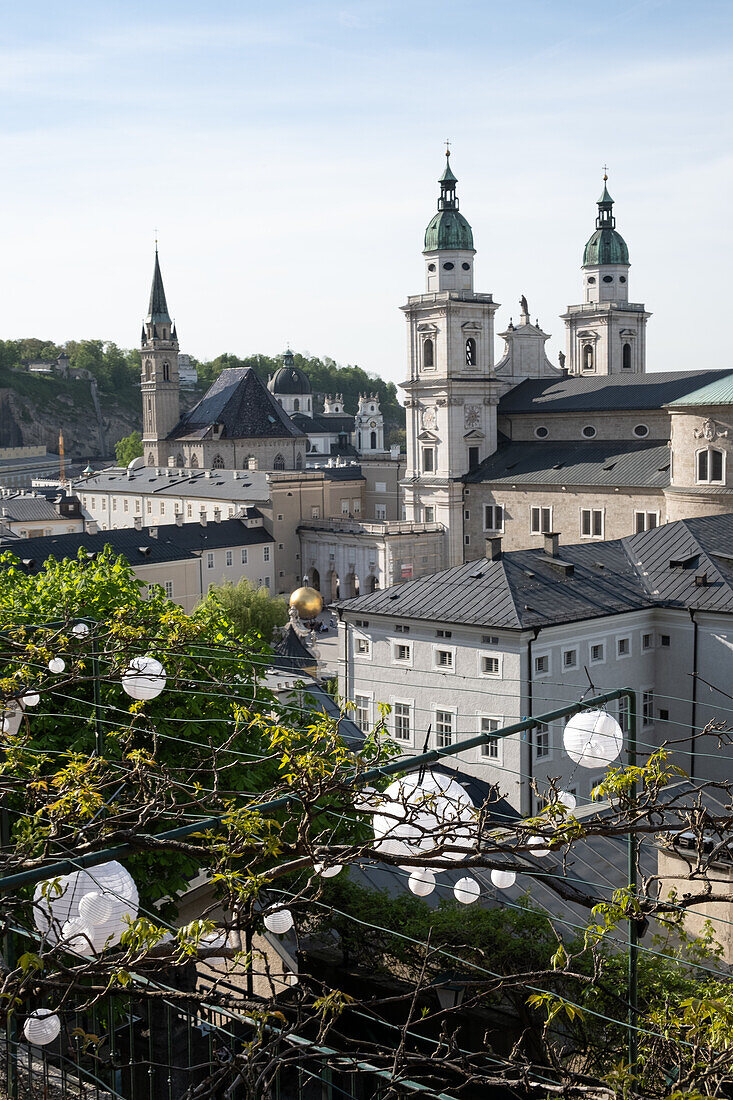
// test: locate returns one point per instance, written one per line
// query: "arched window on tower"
(299, 461)
(296, 405)
(179, 461)
(148, 369)
(471, 352)
(428, 354)
(166, 371)
(151, 459)
(278, 462)
(626, 357)
(218, 463)
(588, 357)
(250, 463)
(710, 466)
(194, 462)
(373, 443)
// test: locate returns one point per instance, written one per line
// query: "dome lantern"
(606, 246)
(448, 229)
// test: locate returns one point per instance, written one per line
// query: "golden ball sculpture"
(308, 602)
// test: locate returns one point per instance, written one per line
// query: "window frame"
(546, 656)
(453, 731)
(540, 529)
(708, 479)
(365, 654)
(618, 638)
(646, 710)
(437, 667)
(410, 704)
(493, 508)
(369, 697)
(570, 667)
(498, 744)
(545, 729)
(592, 514)
(498, 657)
(593, 644)
(640, 512)
(403, 662)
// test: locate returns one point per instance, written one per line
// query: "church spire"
(157, 308)
(605, 219)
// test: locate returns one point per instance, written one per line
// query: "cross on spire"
(605, 172)
(447, 147)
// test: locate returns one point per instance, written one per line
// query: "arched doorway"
(314, 579)
(335, 585)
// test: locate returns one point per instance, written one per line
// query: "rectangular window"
(540, 521)
(443, 728)
(665, 640)
(645, 521)
(400, 628)
(444, 658)
(126, 505)
(209, 561)
(149, 506)
(244, 555)
(597, 652)
(429, 513)
(428, 460)
(490, 639)
(591, 523)
(490, 750)
(542, 742)
(169, 589)
(493, 517)
(473, 457)
(380, 511)
(361, 713)
(542, 664)
(361, 622)
(624, 715)
(490, 666)
(265, 553)
(230, 513)
(114, 504)
(647, 708)
(570, 658)
(401, 725)
(623, 647)
(443, 633)
(104, 505)
(161, 505)
(647, 641)
(189, 511)
(402, 652)
(363, 647)
(229, 557)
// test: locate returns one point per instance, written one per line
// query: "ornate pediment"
(471, 326)
(428, 437)
(427, 328)
(475, 434)
(711, 430)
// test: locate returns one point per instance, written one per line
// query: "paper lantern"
(42, 1027)
(64, 895)
(418, 815)
(503, 879)
(32, 699)
(144, 678)
(568, 800)
(327, 872)
(466, 890)
(593, 738)
(78, 937)
(96, 908)
(367, 799)
(538, 844)
(12, 716)
(80, 630)
(56, 664)
(279, 921)
(422, 882)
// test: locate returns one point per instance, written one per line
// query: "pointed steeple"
(605, 219)
(448, 199)
(157, 308)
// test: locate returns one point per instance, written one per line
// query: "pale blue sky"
(288, 153)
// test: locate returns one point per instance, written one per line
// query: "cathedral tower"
(451, 394)
(607, 333)
(159, 376)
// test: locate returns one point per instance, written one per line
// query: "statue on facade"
(524, 306)
(561, 360)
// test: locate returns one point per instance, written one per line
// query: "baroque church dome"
(448, 228)
(606, 246)
(289, 378)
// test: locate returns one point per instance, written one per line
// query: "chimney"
(202, 517)
(153, 532)
(493, 549)
(179, 519)
(217, 515)
(552, 544)
(138, 523)
(92, 527)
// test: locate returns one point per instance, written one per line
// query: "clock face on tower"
(372, 423)
(472, 416)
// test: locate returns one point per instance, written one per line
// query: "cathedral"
(240, 423)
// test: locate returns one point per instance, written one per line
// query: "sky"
(286, 155)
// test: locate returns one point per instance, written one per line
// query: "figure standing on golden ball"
(307, 601)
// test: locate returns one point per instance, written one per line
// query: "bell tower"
(607, 333)
(451, 392)
(159, 375)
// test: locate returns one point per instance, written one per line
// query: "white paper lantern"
(327, 872)
(422, 882)
(418, 815)
(568, 800)
(56, 664)
(78, 936)
(279, 921)
(538, 844)
(12, 716)
(466, 890)
(31, 700)
(96, 908)
(503, 879)
(367, 799)
(64, 896)
(42, 1027)
(144, 678)
(593, 738)
(80, 630)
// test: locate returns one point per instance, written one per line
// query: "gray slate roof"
(592, 462)
(242, 404)
(327, 425)
(24, 508)
(526, 588)
(636, 391)
(249, 485)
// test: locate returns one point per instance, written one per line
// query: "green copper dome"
(448, 228)
(606, 246)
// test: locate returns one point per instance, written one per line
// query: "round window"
(448, 266)
(591, 278)
(622, 278)
(466, 267)
(641, 430)
(589, 431)
(431, 267)
(541, 432)
(608, 278)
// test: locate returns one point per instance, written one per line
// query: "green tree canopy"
(129, 447)
(247, 607)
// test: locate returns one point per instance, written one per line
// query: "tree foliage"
(129, 447)
(247, 607)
